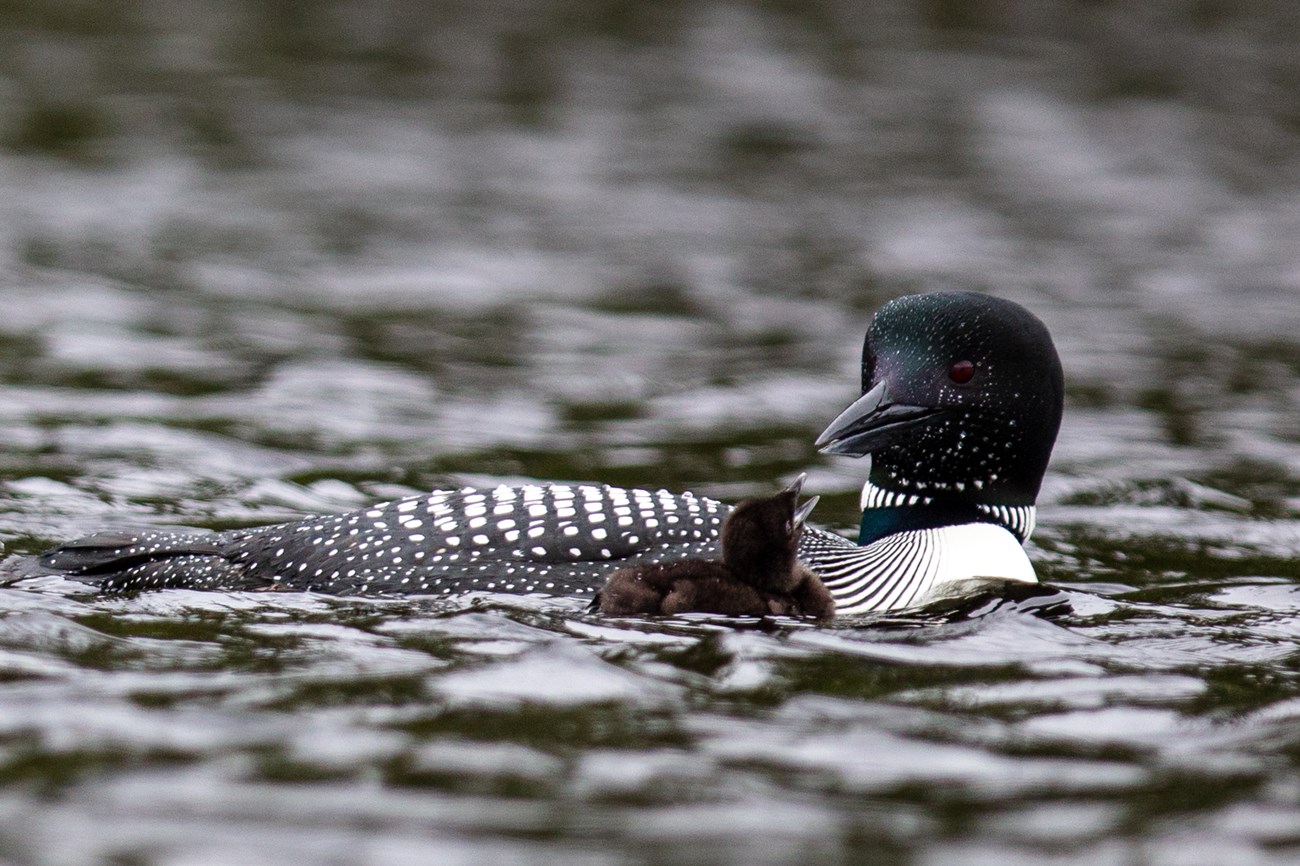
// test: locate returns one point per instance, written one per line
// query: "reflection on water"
(261, 260)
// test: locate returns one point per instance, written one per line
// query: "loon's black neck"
(887, 511)
(887, 520)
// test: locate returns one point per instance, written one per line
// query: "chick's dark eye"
(961, 372)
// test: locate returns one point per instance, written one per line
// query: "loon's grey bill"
(871, 422)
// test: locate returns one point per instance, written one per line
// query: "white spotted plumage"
(533, 543)
(552, 538)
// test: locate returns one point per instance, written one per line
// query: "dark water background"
(265, 259)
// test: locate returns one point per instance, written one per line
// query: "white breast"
(980, 550)
(911, 568)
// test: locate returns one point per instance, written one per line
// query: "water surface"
(258, 262)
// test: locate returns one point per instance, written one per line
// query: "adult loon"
(759, 572)
(961, 405)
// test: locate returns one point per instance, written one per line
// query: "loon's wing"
(553, 538)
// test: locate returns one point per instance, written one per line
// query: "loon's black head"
(760, 538)
(962, 398)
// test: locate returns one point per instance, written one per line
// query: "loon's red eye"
(961, 372)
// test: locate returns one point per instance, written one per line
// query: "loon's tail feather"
(151, 559)
(113, 551)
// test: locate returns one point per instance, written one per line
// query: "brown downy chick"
(758, 574)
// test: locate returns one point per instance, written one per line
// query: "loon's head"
(760, 538)
(962, 399)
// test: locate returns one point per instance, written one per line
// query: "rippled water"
(259, 261)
